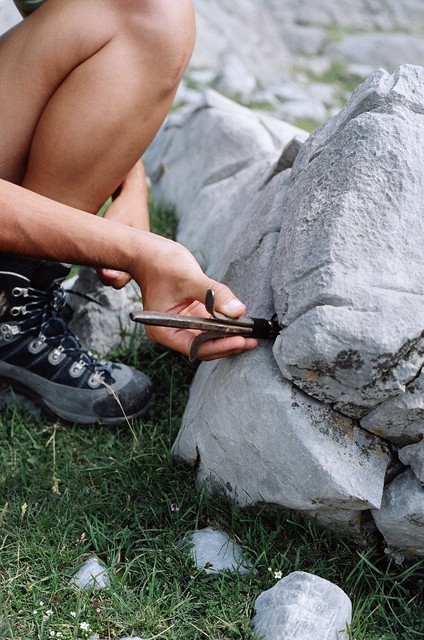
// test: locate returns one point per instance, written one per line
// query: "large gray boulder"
(210, 162)
(349, 268)
(261, 440)
(328, 237)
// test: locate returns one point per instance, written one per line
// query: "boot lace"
(40, 312)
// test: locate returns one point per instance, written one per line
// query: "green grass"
(338, 74)
(69, 492)
(307, 124)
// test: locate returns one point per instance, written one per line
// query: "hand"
(173, 282)
(130, 207)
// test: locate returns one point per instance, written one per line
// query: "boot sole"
(73, 418)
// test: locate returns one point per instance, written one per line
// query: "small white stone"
(92, 575)
(302, 606)
(215, 551)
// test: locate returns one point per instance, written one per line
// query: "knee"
(163, 32)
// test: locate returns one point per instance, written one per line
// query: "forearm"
(36, 226)
(169, 276)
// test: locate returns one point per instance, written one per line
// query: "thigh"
(35, 58)
(85, 85)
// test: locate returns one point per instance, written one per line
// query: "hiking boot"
(41, 358)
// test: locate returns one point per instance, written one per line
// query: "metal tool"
(218, 326)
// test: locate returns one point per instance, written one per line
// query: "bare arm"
(168, 275)
(130, 207)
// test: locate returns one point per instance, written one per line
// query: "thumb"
(225, 301)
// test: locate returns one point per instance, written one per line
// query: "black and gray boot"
(41, 358)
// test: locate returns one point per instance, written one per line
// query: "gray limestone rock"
(10, 398)
(401, 515)
(355, 525)
(290, 90)
(413, 455)
(270, 37)
(304, 40)
(235, 79)
(215, 551)
(91, 575)
(9, 15)
(246, 263)
(400, 419)
(347, 291)
(349, 270)
(309, 109)
(302, 606)
(235, 149)
(367, 15)
(102, 324)
(387, 50)
(240, 27)
(286, 159)
(258, 439)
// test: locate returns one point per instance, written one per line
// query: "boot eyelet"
(76, 369)
(16, 311)
(56, 355)
(19, 291)
(94, 380)
(37, 345)
(9, 331)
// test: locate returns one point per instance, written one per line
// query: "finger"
(225, 301)
(225, 347)
(113, 278)
(196, 288)
(182, 339)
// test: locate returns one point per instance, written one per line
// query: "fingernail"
(234, 305)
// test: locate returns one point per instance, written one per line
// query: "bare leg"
(85, 86)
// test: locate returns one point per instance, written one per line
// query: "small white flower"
(74, 614)
(52, 634)
(278, 575)
(34, 613)
(269, 569)
(41, 603)
(84, 626)
(59, 634)
(49, 612)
